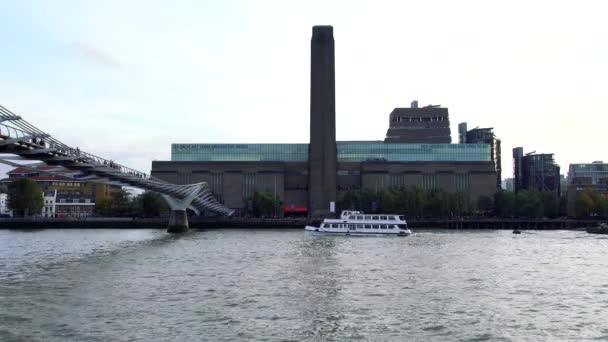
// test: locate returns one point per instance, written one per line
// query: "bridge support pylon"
(178, 221)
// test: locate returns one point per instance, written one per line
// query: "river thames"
(288, 285)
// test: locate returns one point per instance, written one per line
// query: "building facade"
(592, 176)
(234, 172)
(63, 184)
(483, 136)
(425, 125)
(5, 211)
(535, 172)
(310, 177)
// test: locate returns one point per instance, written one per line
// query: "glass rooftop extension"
(240, 152)
(348, 151)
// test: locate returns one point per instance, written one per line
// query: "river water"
(291, 285)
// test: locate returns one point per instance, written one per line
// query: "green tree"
(485, 204)
(265, 204)
(528, 204)
(550, 203)
(25, 197)
(153, 204)
(117, 205)
(504, 203)
(584, 203)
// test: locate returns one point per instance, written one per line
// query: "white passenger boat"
(358, 223)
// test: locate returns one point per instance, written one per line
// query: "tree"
(265, 204)
(504, 203)
(484, 204)
(550, 203)
(584, 204)
(117, 205)
(528, 204)
(152, 204)
(25, 197)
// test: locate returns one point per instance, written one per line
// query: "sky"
(125, 79)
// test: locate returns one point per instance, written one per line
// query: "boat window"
(375, 218)
(375, 226)
(383, 217)
(367, 217)
(334, 225)
(368, 226)
(322, 225)
(391, 218)
(382, 226)
(359, 217)
(359, 226)
(351, 226)
(402, 218)
(351, 217)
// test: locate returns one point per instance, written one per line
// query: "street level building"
(535, 171)
(309, 177)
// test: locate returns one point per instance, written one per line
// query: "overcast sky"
(125, 79)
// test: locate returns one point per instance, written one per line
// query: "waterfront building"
(4, 209)
(483, 136)
(594, 172)
(592, 176)
(74, 206)
(419, 125)
(49, 197)
(63, 184)
(309, 177)
(534, 171)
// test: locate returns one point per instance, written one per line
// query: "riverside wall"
(296, 223)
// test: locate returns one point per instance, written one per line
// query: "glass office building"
(594, 171)
(348, 151)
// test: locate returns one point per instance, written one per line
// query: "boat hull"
(339, 231)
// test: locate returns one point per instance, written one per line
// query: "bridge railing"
(19, 128)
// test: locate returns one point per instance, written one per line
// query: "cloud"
(96, 56)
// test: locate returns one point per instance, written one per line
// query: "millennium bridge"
(21, 141)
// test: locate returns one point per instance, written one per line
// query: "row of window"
(420, 119)
(348, 151)
(372, 217)
(359, 226)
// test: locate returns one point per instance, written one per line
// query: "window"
(383, 217)
(375, 226)
(334, 225)
(375, 218)
(391, 218)
(351, 217)
(359, 217)
(368, 217)
(359, 226)
(368, 226)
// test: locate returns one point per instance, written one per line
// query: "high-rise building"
(483, 136)
(419, 125)
(535, 171)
